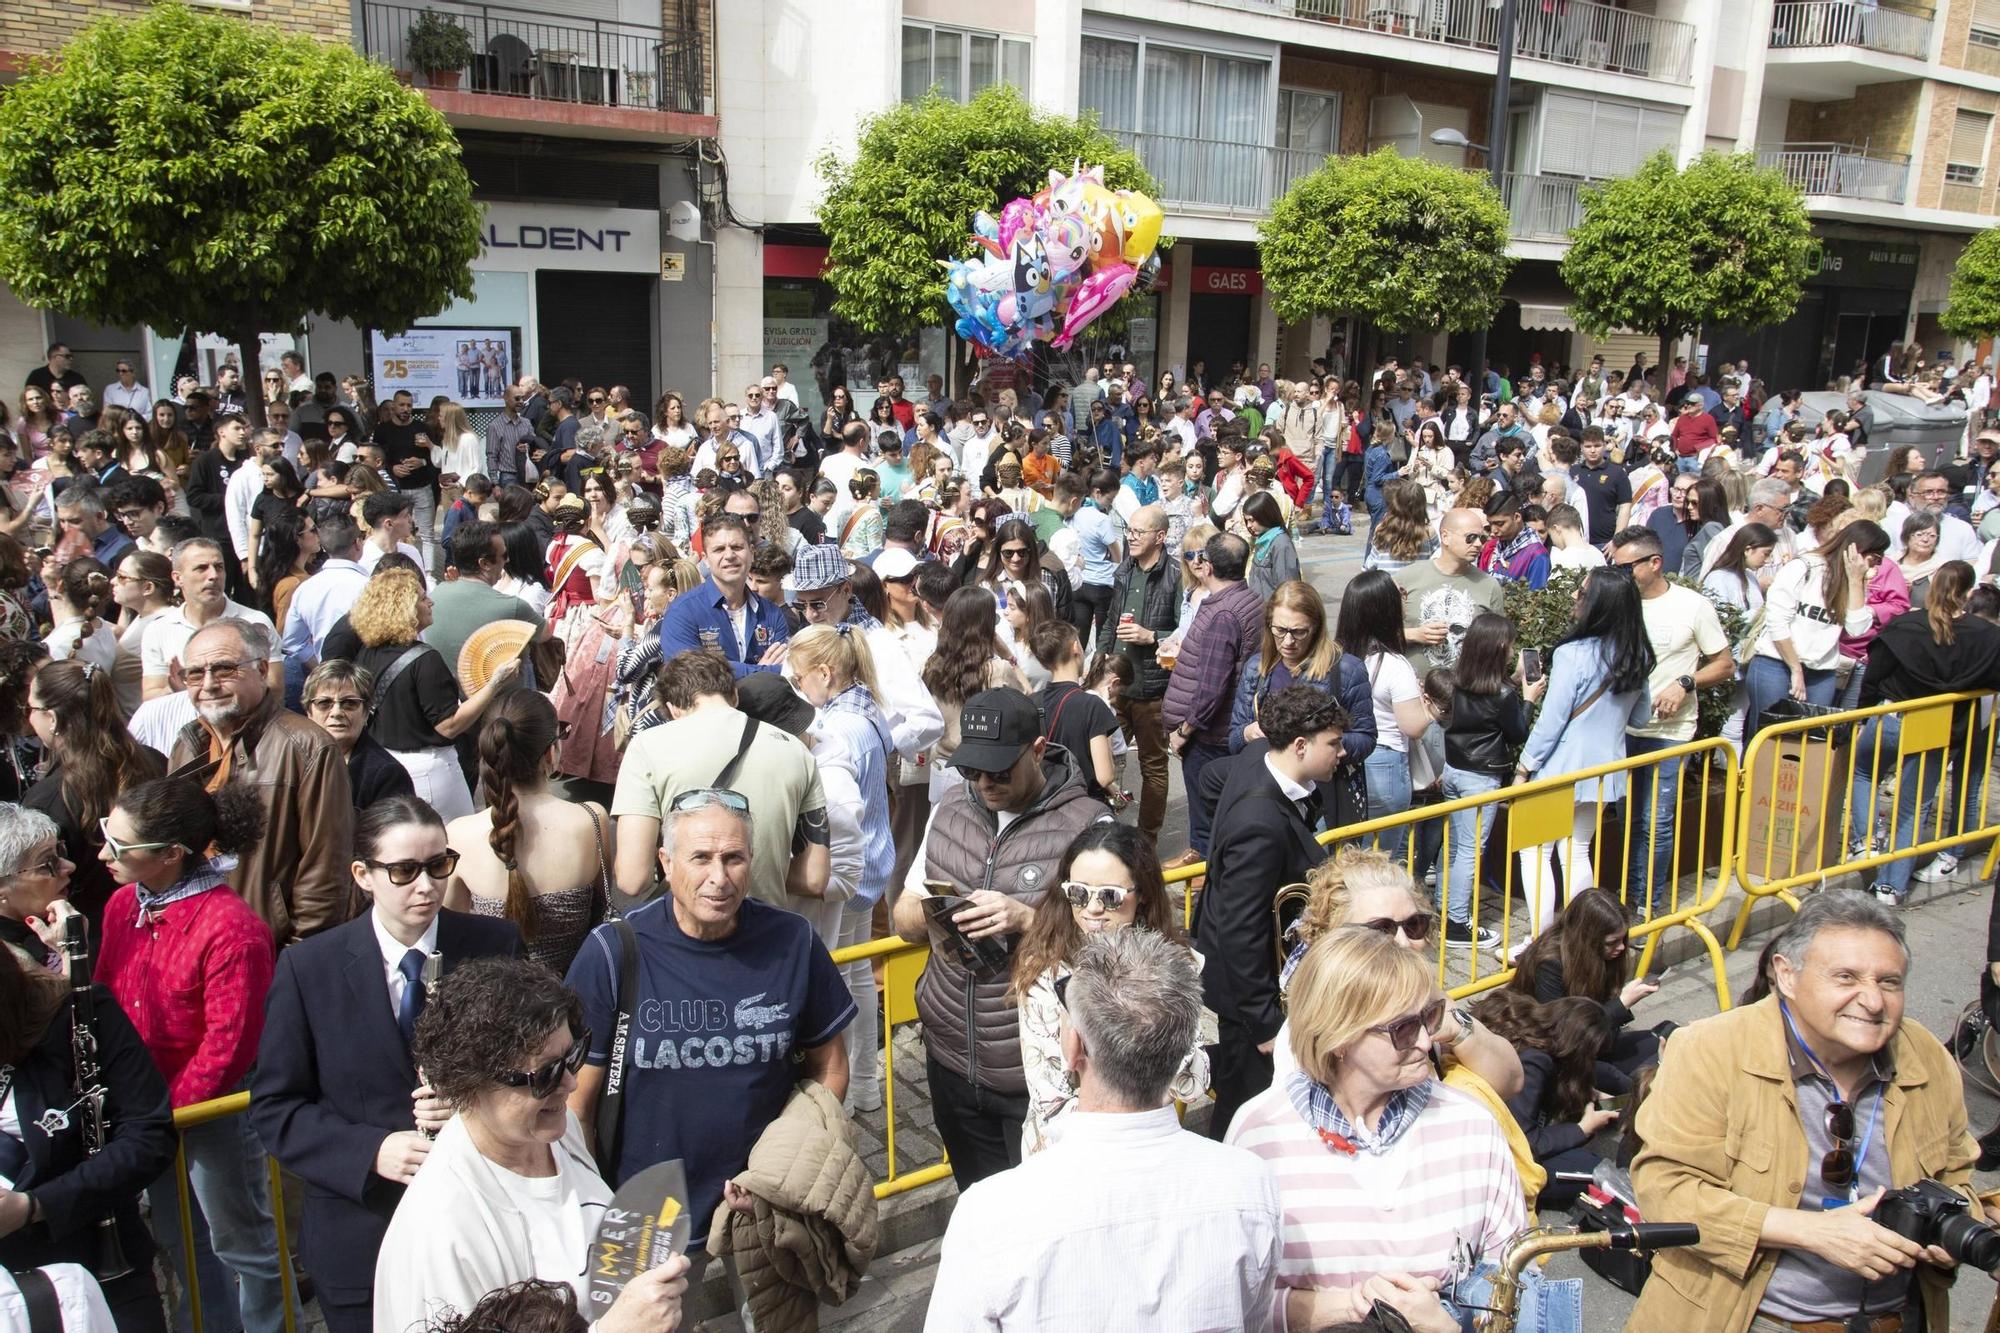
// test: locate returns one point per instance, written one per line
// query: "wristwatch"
(1466, 1023)
(1686, 683)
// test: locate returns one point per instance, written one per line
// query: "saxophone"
(1532, 1244)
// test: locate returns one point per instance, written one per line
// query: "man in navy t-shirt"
(735, 1001)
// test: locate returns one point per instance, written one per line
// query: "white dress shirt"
(1126, 1222)
(139, 398)
(392, 956)
(238, 498)
(320, 601)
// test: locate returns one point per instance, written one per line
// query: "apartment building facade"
(582, 124)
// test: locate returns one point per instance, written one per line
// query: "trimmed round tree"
(1404, 242)
(1973, 307)
(1669, 249)
(185, 170)
(905, 197)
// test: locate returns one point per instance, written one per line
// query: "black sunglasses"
(544, 1079)
(1416, 927)
(406, 872)
(1836, 1169)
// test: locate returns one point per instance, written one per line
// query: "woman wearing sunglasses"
(191, 963)
(1362, 1113)
(509, 1191)
(335, 1095)
(1363, 887)
(1109, 879)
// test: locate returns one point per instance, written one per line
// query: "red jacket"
(1297, 477)
(193, 982)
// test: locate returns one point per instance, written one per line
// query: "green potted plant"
(440, 48)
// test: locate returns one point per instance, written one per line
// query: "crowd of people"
(490, 803)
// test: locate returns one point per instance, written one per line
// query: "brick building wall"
(1932, 192)
(39, 27)
(1880, 116)
(1956, 49)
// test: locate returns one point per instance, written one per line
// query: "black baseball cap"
(769, 697)
(995, 726)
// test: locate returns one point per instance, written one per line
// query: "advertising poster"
(470, 366)
(796, 342)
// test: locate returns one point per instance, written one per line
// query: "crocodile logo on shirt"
(750, 1014)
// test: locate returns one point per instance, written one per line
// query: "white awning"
(1535, 315)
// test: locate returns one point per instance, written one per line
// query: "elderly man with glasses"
(697, 1051)
(296, 878)
(126, 391)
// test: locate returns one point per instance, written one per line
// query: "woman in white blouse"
(1109, 879)
(509, 1190)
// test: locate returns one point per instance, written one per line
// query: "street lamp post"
(1496, 157)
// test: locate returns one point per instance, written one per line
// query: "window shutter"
(1568, 126)
(1614, 149)
(1968, 139)
(1986, 14)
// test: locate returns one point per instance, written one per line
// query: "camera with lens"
(1930, 1214)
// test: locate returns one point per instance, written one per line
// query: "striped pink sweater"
(1450, 1177)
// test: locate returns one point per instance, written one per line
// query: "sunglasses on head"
(702, 797)
(1402, 1033)
(1110, 897)
(544, 1079)
(405, 872)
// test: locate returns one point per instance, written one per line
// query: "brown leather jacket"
(296, 878)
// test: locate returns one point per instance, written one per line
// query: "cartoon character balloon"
(1046, 267)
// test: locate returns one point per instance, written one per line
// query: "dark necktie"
(412, 968)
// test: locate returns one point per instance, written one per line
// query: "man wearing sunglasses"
(1779, 1124)
(1264, 824)
(1145, 608)
(995, 842)
(727, 991)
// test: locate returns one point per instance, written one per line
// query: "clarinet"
(111, 1262)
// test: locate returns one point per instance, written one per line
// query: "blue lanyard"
(1861, 1156)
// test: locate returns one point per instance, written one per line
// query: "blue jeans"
(1326, 483)
(233, 1232)
(1195, 756)
(1767, 680)
(1546, 1305)
(1649, 857)
(1469, 831)
(1388, 774)
(1875, 753)
(1687, 463)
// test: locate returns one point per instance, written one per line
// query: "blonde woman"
(856, 754)
(458, 453)
(419, 714)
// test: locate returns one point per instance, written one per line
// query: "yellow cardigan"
(1722, 1146)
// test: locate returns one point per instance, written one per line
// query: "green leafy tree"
(1669, 249)
(1973, 307)
(905, 199)
(196, 171)
(1403, 241)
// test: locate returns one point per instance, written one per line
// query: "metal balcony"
(1835, 23)
(524, 53)
(1578, 33)
(1543, 208)
(1840, 171)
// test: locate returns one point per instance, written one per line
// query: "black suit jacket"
(1260, 843)
(74, 1190)
(333, 1079)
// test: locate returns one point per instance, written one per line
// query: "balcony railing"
(1840, 170)
(522, 53)
(1579, 33)
(1241, 179)
(1543, 208)
(1896, 32)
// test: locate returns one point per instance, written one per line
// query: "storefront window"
(820, 350)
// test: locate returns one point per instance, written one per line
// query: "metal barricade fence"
(1850, 792)
(191, 1117)
(1688, 878)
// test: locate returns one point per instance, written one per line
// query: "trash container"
(1895, 419)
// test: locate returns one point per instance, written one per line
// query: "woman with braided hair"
(531, 856)
(86, 627)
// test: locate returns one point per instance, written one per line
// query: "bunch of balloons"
(1050, 265)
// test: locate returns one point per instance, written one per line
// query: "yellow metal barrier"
(201, 1113)
(1540, 813)
(1796, 811)
(902, 963)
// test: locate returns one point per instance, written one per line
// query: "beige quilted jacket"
(813, 1231)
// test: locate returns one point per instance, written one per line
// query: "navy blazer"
(333, 1079)
(1260, 844)
(74, 1190)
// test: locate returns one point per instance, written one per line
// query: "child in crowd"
(1567, 548)
(1339, 514)
(1109, 675)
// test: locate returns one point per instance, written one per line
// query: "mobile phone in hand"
(1531, 665)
